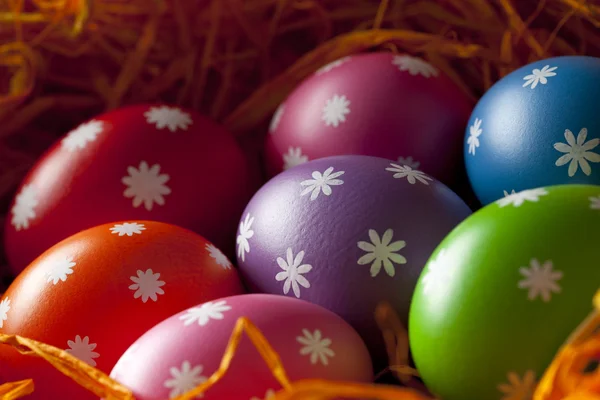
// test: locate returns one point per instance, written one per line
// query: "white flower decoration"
(517, 199)
(540, 280)
(83, 350)
(220, 258)
(128, 228)
(146, 185)
(277, 118)
(293, 271)
(382, 252)
(293, 158)
(595, 203)
(245, 234)
(415, 66)
(578, 152)
(412, 175)
(203, 314)
(539, 76)
(4, 309)
(85, 133)
(24, 209)
(315, 345)
(184, 379)
(146, 285)
(439, 272)
(171, 118)
(409, 161)
(321, 182)
(518, 388)
(332, 65)
(335, 110)
(474, 133)
(59, 269)
(270, 393)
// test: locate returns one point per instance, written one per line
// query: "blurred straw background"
(62, 61)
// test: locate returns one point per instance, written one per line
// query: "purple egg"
(346, 232)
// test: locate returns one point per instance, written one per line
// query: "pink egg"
(397, 107)
(184, 350)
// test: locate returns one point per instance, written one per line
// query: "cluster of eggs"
(121, 236)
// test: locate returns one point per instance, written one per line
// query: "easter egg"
(152, 162)
(504, 291)
(94, 293)
(311, 341)
(377, 104)
(346, 232)
(537, 126)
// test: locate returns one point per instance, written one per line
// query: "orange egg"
(96, 292)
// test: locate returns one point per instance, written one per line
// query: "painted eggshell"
(504, 290)
(376, 104)
(96, 292)
(346, 232)
(151, 162)
(538, 126)
(183, 351)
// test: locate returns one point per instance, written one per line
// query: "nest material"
(63, 61)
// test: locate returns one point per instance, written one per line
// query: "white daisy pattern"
(172, 118)
(412, 175)
(293, 158)
(409, 161)
(577, 152)
(334, 64)
(540, 280)
(184, 379)
(315, 346)
(415, 66)
(335, 110)
(269, 394)
(4, 309)
(519, 198)
(276, 120)
(83, 350)
(474, 133)
(220, 258)
(518, 388)
(85, 133)
(381, 252)
(206, 312)
(24, 209)
(128, 229)
(244, 236)
(321, 182)
(439, 272)
(60, 269)
(595, 202)
(147, 285)
(146, 185)
(293, 272)
(539, 76)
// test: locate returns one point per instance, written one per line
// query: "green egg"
(504, 290)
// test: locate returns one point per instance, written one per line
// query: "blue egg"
(537, 126)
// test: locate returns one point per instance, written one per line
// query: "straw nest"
(62, 61)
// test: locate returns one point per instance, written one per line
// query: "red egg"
(397, 107)
(312, 343)
(96, 292)
(151, 162)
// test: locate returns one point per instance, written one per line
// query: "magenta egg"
(380, 104)
(346, 232)
(184, 350)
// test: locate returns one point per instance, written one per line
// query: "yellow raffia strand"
(565, 379)
(107, 388)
